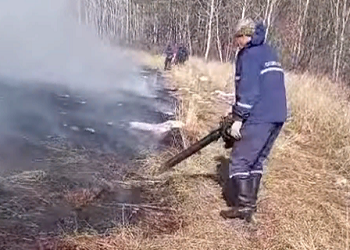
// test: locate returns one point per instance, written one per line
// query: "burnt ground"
(64, 157)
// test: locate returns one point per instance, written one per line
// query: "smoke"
(45, 52)
(41, 41)
(60, 86)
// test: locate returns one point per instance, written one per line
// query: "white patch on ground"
(160, 129)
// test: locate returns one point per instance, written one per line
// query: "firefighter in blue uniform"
(259, 113)
(169, 56)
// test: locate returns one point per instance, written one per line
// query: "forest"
(309, 35)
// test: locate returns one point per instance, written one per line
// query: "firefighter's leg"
(257, 168)
(244, 154)
(167, 63)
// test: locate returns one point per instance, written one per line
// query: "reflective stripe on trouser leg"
(257, 167)
(246, 151)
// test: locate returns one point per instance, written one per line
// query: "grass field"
(303, 203)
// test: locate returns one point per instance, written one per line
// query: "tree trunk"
(301, 23)
(269, 7)
(345, 17)
(335, 45)
(218, 37)
(188, 30)
(244, 9)
(209, 30)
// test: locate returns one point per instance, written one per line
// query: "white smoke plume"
(44, 50)
(41, 41)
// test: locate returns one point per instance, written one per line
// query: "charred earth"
(64, 158)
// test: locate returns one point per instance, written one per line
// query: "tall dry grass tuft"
(144, 58)
(197, 82)
(321, 113)
(202, 77)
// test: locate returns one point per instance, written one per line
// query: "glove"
(236, 130)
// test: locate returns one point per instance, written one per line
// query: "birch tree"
(301, 27)
(342, 17)
(210, 23)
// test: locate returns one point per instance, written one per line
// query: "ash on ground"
(64, 156)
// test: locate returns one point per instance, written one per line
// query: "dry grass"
(144, 58)
(197, 84)
(307, 184)
(304, 198)
(82, 197)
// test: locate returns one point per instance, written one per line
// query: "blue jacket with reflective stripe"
(259, 80)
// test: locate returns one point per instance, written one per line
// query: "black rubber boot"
(255, 189)
(230, 192)
(245, 207)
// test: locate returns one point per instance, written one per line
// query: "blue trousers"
(249, 154)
